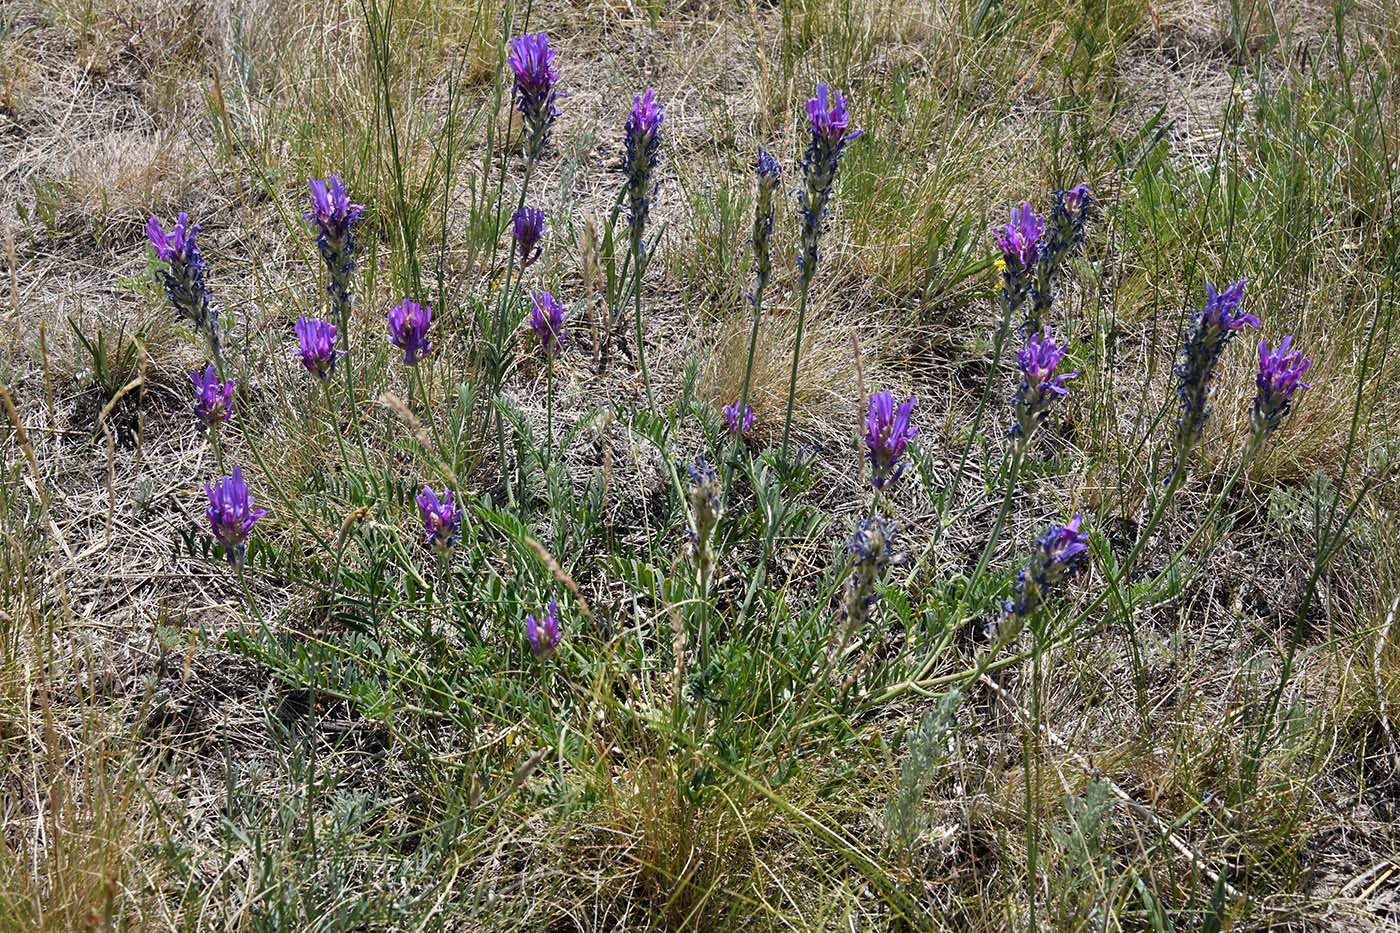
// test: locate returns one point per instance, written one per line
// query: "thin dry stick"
(864, 402)
(1166, 830)
(48, 376)
(561, 575)
(420, 433)
(1381, 639)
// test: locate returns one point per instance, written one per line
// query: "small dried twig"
(1382, 638)
(864, 402)
(420, 433)
(561, 575)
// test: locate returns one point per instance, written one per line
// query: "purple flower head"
(547, 321)
(544, 633)
(1064, 234)
(641, 143)
(532, 61)
(872, 549)
(1060, 554)
(739, 425)
(887, 433)
(528, 229)
(1040, 383)
(335, 218)
(1207, 334)
(178, 244)
(331, 209)
(317, 345)
(827, 115)
(770, 176)
(770, 172)
(442, 518)
(183, 276)
(408, 329)
(1019, 241)
(231, 514)
(706, 507)
(1280, 376)
(828, 121)
(213, 400)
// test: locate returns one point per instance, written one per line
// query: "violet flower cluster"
(1019, 242)
(213, 399)
(706, 507)
(1040, 385)
(534, 90)
(739, 425)
(442, 518)
(1060, 554)
(335, 218)
(408, 330)
(1206, 337)
(316, 343)
(231, 514)
(183, 275)
(828, 122)
(528, 229)
(641, 145)
(770, 176)
(872, 549)
(544, 633)
(547, 321)
(1064, 233)
(888, 431)
(1280, 378)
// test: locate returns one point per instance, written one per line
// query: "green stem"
(549, 411)
(804, 287)
(744, 393)
(637, 313)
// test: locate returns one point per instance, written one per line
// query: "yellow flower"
(1000, 266)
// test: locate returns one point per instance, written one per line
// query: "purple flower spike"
(183, 276)
(213, 400)
(887, 433)
(1060, 554)
(532, 61)
(317, 346)
(1206, 336)
(442, 518)
(528, 229)
(1280, 376)
(335, 217)
(547, 321)
(331, 209)
(179, 243)
(544, 633)
(827, 115)
(408, 330)
(231, 514)
(770, 176)
(828, 121)
(737, 425)
(1040, 384)
(641, 143)
(872, 549)
(1019, 241)
(1064, 234)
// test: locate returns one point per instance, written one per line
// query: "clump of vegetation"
(865, 564)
